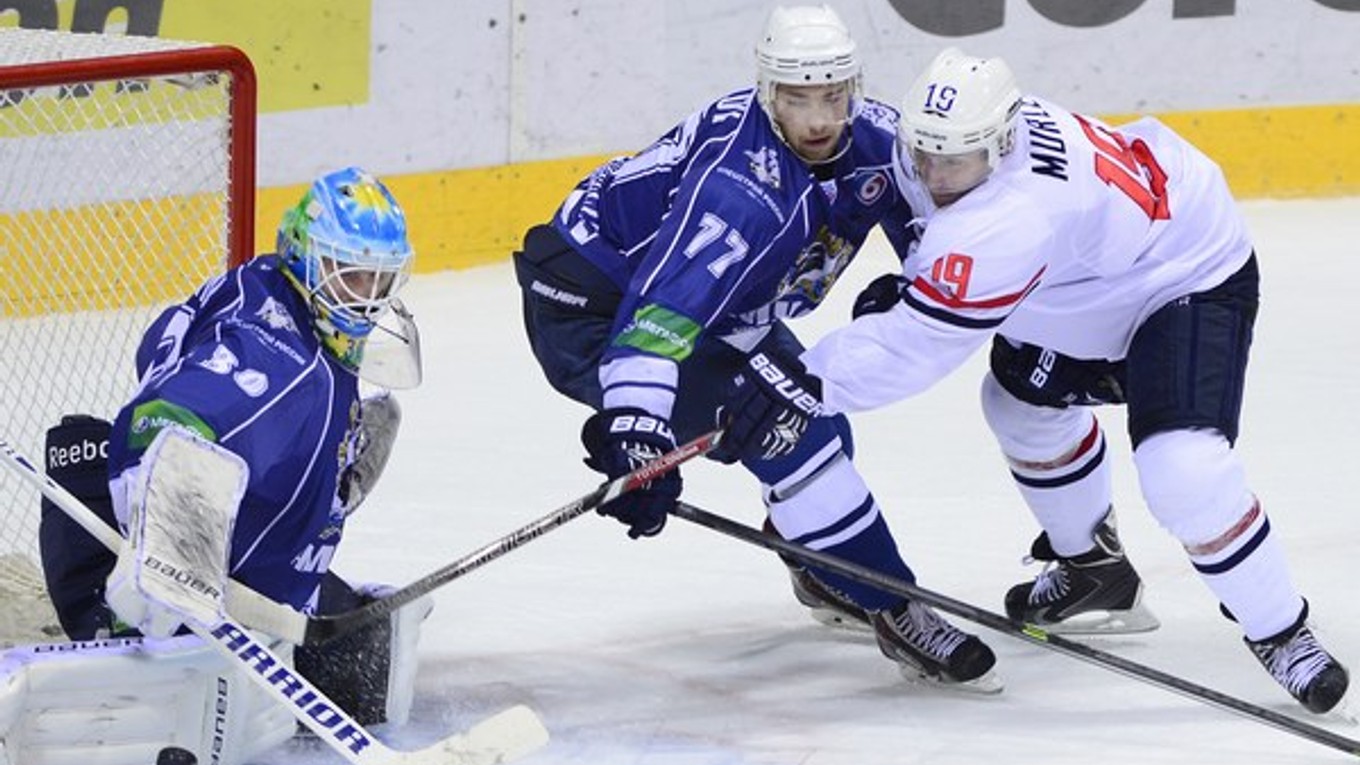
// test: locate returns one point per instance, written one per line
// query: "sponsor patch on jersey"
(275, 316)
(871, 187)
(222, 361)
(660, 331)
(151, 417)
(765, 166)
(252, 381)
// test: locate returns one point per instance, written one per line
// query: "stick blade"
(504, 737)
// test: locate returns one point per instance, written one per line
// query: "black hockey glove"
(767, 409)
(881, 295)
(620, 441)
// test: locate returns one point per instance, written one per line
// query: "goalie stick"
(1026, 632)
(505, 736)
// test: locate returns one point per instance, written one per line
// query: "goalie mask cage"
(127, 178)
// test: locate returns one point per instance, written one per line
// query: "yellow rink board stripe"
(55, 261)
(466, 218)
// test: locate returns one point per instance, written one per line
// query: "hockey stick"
(319, 629)
(1027, 632)
(502, 737)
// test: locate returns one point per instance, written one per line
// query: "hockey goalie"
(239, 458)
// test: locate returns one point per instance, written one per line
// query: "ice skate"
(1097, 592)
(929, 649)
(1302, 666)
(825, 603)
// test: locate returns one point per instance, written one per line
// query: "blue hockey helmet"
(344, 247)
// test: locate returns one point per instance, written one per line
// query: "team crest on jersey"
(765, 166)
(275, 316)
(222, 361)
(870, 187)
(818, 267)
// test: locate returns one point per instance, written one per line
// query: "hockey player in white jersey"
(1106, 266)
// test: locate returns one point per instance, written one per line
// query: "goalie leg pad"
(120, 701)
(370, 673)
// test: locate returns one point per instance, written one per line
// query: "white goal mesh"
(126, 179)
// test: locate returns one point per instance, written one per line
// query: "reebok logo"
(72, 455)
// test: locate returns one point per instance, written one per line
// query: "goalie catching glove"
(767, 410)
(620, 441)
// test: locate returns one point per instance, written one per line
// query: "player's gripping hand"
(768, 409)
(880, 295)
(620, 441)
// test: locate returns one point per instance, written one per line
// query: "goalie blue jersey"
(719, 227)
(239, 364)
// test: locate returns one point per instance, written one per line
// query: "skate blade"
(1135, 620)
(988, 683)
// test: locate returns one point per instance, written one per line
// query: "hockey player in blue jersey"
(665, 274)
(263, 365)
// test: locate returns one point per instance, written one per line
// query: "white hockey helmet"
(804, 45)
(961, 104)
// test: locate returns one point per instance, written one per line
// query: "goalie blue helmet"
(344, 246)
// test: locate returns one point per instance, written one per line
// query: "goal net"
(126, 179)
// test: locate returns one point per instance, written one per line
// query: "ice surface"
(688, 649)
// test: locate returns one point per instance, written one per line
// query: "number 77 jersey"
(1079, 234)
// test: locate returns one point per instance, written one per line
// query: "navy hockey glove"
(620, 441)
(881, 295)
(768, 409)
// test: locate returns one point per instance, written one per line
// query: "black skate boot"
(1092, 593)
(928, 648)
(827, 604)
(1298, 662)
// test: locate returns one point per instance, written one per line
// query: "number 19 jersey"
(1079, 234)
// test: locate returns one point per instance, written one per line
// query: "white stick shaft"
(511, 733)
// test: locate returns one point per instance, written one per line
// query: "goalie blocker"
(214, 711)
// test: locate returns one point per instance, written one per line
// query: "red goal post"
(127, 178)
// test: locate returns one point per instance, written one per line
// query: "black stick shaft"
(321, 629)
(1026, 632)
